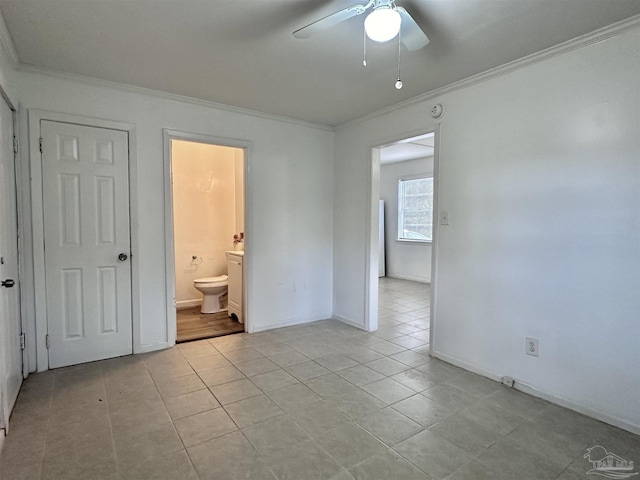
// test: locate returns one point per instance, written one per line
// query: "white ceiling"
(409, 149)
(242, 53)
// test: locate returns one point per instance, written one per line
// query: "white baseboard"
(182, 304)
(544, 395)
(407, 277)
(289, 322)
(152, 347)
(349, 322)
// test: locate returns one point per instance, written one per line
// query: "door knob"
(122, 257)
(8, 283)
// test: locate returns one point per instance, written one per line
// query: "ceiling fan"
(384, 21)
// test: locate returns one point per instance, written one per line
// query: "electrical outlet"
(508, 382)
(532, 346)
(444, 218)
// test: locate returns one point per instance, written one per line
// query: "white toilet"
(213, 288)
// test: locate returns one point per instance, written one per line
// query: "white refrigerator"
(381, 270)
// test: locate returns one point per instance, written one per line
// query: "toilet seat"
(213, 281)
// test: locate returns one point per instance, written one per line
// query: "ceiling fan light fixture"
(382, 24)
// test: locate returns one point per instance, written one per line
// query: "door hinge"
(40, 144)
(23, 341)
(15, 144)
(46, 340)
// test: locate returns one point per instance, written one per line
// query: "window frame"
(400, 217)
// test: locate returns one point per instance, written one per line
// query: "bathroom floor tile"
(387, 366)
(360, 375)
(411, 358)
(449, 396)
(386, 466)
(304, 460)
(179, 386)
(190, 404)
(390, 426)
(388, 390)
(529, 465)
(204, 426)
(234, 391)
(257, 366)
(218, 376)
(230, 457)
(243, 355)
(433, 455)
(81, 463)
(470, 436)
(170, 466)
(137, 448)
(293, 397)
(386, 348)
(336, 362)
(422, 410)
(306, 370)
(275, 435)
(440, 371)
(288, 358)
(319, 417)
(274, 380)
(252, 410)
(350, 444)
(414, 379)
(363, 354)
(209, 362)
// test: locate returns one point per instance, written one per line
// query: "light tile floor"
(312, 402)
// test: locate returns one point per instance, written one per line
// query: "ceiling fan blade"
(328, 21)
(412, 35)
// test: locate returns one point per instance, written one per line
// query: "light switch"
(444, 218)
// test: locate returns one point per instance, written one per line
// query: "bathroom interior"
(208, 223)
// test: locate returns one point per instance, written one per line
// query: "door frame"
(35, 116)
(373, 224)
(20, 222)
(170, 267)
(17, 218)
(17, 172)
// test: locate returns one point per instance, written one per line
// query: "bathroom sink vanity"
(235, 265)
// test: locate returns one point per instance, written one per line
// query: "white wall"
(8, 61)
(406, 260)
(289, 201)
(539, 170)
(239, 184)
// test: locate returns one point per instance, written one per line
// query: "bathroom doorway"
(207, 185)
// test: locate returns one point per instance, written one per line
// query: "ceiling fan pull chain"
(399, 82)
(364, 56)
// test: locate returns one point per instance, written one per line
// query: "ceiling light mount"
(383, 23)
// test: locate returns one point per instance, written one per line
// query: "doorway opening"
(402, 242)
(208, 218)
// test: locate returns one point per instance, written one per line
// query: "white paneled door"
(10, 323)
(87, 242)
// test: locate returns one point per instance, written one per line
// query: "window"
(415, 209)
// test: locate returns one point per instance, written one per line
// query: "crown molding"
(97, 82)
(6, 43)
(577, 43)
